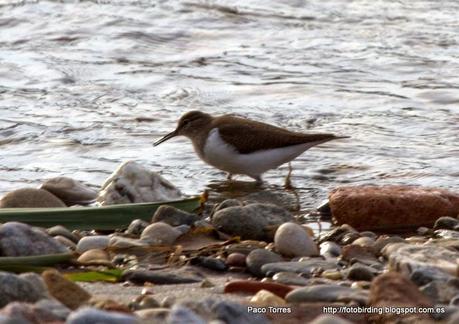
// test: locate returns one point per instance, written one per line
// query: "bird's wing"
(250, 136)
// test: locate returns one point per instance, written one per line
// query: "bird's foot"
(288, 179)
(229, 177)
(258, 181)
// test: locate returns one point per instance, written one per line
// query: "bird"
(243, 146)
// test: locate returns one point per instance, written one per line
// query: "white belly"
(225, 157)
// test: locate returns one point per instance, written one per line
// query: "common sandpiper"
(243, 146)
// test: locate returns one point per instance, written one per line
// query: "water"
(86, 85)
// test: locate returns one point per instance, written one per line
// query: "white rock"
(132, 183)
(92, 242)
(160, 234)
(292, 240)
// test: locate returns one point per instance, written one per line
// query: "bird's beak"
(165, 138)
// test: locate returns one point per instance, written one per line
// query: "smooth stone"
(364, 241)
(16, 288)
(336, 234)
(357, 253)
(259, 257)
(360, 272)
(160, 234)
(136, 227)
(100, 242)
(18, 239)
(70, 191)
(65, 241)
(30, 198)
(236, 260)
(37, 281)
(369, 234)
(446, 222)
(251, 221)
(95, 316)
(225, 204)
(303, 267)
(159, 277)
(266, 298)
(148, 302)
(327, 293)
(120, 242)
(393, 289)
(153, 315)
(422, 277)
(94, 257)
(349, 238)
(209, 263)
(132, 183)
(252, 287)
(409, 258)
(329, 319)
(62, 231)
(384, 240)
(329, 249)
(173, 216)
(64, 290)
(332, 274)
(180, 314)
(292, 240)
(440, 291)
(289, 278)
(424, 231)
(183, 229)
(446, 234)
(58, 309)
(25, 313)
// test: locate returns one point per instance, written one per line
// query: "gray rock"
(59, 310)
(65, 241)
(8, 320)
(173, 216)
(153, 315)
(132, 183)
(30, 198)
(25, 312)
(364, 241)
(336, 234)
(289, 278)
(303, 267)
(160, 234)
(96, 316)
(62, 231)
(330, 249)
(70, 191)
(99, 242)
(360, 272)
(251, 221)
(259, 257)
(160, 277)
(227, 203)
(209, 263)
(14, 288)
(292, 240)
(328, 294)
(18, 239)
(180, 314)
(446, 222)
(37, 281)
(136, 227)
(329, 319)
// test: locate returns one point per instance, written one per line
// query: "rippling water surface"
(86, 85)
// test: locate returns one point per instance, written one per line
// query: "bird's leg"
(258, 180)
(288, 179)
(229, 176)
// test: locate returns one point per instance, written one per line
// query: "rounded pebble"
(292, 240)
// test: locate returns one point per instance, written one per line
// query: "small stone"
(160, 234)
(70, 191)
(306, 267)
(62, 231)
(364, 241)
(369, 234)
(168, 302)
(227, 203)
(441, 292)
(327, 293)
(330, 249)
(94, 257)
(446, 222)
(267, 298)
(349, 238)
(384, 240)
(336, 234)
(14, 288)
(209, 263)
(180, 314)
(251, 221)
(360, 272)
(64, 290)
(107, 304)
(24, 313)
(236, 260)
(66, 242)
(92, 242)
(18, 239)
(252, 287)
(292, 240)
(120, 242)
(30, 198)
(424, 231)
(356, 253)
(206, 284)
(160, 277)
(136, 227)
(332, 274)
(173, 216)
(37, 281)
(153, 315)
(423, 276)
(258, 257)
(288, 278)
(329, 319)
(148, 302)
(93, 315)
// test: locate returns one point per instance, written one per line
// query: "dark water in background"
(86, 85)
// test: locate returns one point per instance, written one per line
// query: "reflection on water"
(86, 85)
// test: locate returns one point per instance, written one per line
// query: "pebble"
(95, 316)
(37, 281)
(18, 239)
(120, 242)
(252, 287)
(136, 227)
(304, 267)
(209, 263)
(364, 241)
(180, 314)
(259, 257)
(225, 204)
(160, 277)
(288, 278)
(94, 257)
(160, 234)
(292, 240)
(64, 290)
(133, 183)
(173, 216)
(16, 288)
(251, 221)
(327, 293)
(330, 249)
(24, 312)
(62, 231)
(145, 302)
(153, 315)
(360, 272)
(424, 231)
(66, 242)
(236, 260)
(30, 198)
(440, 291)
(369, 234)
(266, 298)
(349, 238)
(422, 277)
(332, 274)
(446, 222)
(337, 233)
(92, 242)
(168, 301)
(383, 240)
(70, 191)
(357, 253)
